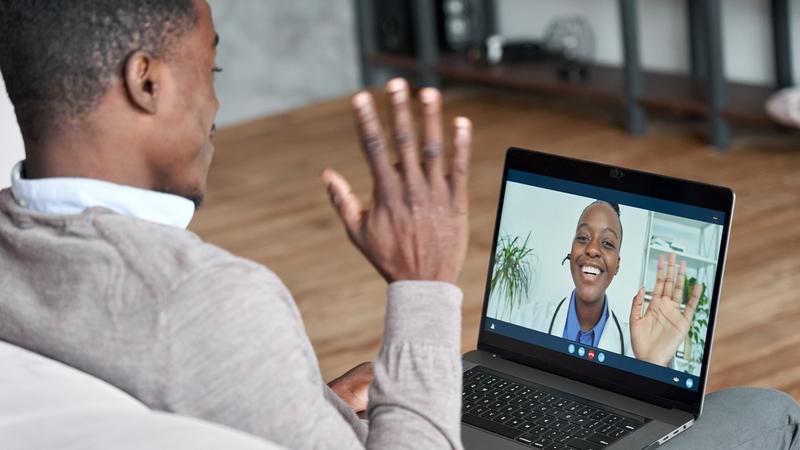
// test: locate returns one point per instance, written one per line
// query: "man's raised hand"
(416, 227)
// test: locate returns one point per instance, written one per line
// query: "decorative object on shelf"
(513, 273)
(573, 38)
(524, 51)
(784, 107)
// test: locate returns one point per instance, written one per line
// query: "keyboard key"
(478, 410)
(473, 398)
(628, 424)
(545, 420)
(600, 439)
(525, 439)
(554, 446)
(611, 419)
(559, 425)
(618, 433)
(603, 428)
(581, 433)
(497, 405)
(547, 398)
(580, 420)
(467, 406)
(519, 401)
(567, 415)
(471, 386)
(490, 414)
(514, 422)
(540, 442)
(494, 427)
(520, 413)
(587, 411)
(574, 407)
(501, 418)
(495, 393)
(599, 415)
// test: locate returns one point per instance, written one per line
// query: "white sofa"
(47, 405)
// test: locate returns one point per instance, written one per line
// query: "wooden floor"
(266, 203)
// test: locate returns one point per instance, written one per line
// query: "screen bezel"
(626, 180)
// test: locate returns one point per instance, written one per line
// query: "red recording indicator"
(590, 354)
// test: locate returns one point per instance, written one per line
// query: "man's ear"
(142, 77)
(619, 260)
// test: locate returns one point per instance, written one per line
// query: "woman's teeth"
(590, 270)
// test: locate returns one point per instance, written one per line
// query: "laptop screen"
(576, 270)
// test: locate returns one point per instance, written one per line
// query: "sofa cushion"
(47, 405)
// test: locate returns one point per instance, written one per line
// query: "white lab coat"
(539, 315)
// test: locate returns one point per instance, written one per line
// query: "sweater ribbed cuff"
(424, 311)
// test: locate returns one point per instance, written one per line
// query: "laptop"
(562, 362)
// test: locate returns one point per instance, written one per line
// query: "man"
(116, 105)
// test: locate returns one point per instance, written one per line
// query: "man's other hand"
(353, 386)
(416, 227)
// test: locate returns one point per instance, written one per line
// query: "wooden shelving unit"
(704, 92)
(675, 93)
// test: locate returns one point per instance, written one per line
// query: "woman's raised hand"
(656, 335)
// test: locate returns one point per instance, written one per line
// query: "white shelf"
(702, 259)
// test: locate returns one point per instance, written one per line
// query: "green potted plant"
(512, 274)
(697, 332)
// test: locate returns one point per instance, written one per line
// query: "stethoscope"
(613, 316)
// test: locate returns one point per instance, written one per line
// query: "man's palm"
(656, 335)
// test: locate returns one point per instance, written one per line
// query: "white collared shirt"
(68, 196)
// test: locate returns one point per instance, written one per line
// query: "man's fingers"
(370, 134)
(347, 204)
(459, 166)
(660, 275)
(638, 304)
(405, 139)
(677, 294)
(694, 299)
(432, 135)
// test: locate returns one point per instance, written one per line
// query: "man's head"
(594, 257)
(116, 90)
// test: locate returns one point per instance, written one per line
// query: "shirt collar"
(67, 196)
(572, 329)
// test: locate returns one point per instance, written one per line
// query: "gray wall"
(279, 54)
(664, 32)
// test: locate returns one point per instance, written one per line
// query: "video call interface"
(586, 271)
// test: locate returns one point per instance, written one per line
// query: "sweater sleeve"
(239, 356)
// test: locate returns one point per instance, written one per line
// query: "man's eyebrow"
(216, 40)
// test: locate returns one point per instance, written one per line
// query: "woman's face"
(595, 252)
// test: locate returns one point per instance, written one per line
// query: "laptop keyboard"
(538, 416)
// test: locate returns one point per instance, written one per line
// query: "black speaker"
(395, 26)
(465, 24)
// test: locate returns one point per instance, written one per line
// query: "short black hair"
(59, 57)
(615, 207)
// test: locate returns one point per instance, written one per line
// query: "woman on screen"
(585, 315)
